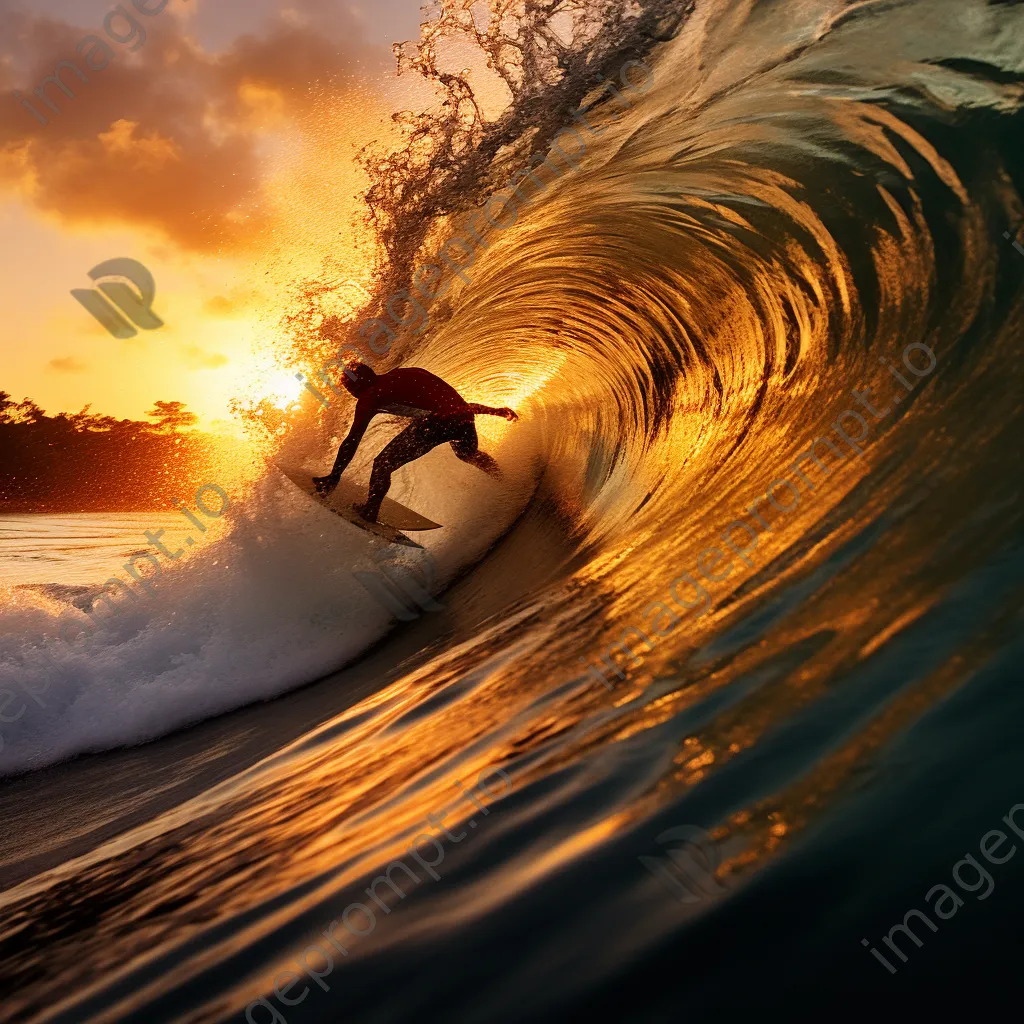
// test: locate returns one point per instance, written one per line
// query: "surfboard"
(394, 516)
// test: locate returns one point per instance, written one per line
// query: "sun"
(282, 390)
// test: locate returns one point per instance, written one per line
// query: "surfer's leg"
(466, 447)
(412, 443)
(325, 484)
(483, 461)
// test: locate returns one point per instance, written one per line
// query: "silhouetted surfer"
(439, 414)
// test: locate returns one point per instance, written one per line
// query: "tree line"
(84, 462)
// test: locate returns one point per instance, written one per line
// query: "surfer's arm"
(347, 451)
(486, 410)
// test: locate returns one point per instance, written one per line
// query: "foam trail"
(271, 605)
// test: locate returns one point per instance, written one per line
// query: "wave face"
(765, 341)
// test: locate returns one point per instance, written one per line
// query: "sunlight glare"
(282, 390)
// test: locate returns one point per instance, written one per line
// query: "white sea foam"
(267, 607)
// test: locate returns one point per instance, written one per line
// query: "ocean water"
(724, 678)
(80, 549)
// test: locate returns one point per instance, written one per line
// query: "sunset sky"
(218, 154)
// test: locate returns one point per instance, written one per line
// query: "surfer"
(439, 415)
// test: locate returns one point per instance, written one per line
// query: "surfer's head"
(358, 375)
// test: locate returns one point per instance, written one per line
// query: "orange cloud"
(67, 364)
(199, 359)
(169, 137)
(231, 305)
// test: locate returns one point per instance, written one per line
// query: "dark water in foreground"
(824, 700)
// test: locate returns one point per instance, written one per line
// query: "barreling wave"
(790, 201)
(791, 205)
